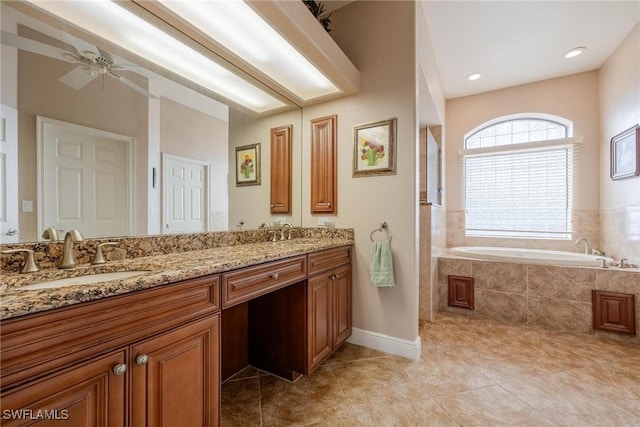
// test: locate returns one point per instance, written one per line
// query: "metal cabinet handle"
(119, 369)
(275, 276)
(142, 359)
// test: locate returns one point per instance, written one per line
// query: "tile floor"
(472, 372)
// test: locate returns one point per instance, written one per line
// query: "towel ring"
(383, 227)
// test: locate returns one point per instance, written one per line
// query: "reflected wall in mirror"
(252, 204)
(80, 181)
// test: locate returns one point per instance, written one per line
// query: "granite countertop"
(162, 270)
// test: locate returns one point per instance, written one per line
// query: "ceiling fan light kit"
(91, 64)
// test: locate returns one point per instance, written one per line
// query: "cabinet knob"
(119, 369)
(142, 359)
(275, 276)
(332, 277)
(273, 206)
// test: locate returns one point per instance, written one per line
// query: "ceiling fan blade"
(82, 47)
(33, 46)
(132, 85)
(77, 78)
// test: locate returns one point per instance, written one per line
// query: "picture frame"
(248, 165)
(625, 154)
(374, 149)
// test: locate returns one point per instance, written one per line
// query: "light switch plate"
(27, 206)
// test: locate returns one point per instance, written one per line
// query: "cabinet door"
(324, 179)
(319, 319)
(176, 377)
(341, 304)
(90, 394)
(281, 170)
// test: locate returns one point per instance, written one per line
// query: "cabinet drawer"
(247, 283)
(326, 260)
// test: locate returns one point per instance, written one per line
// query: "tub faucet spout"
(587, 247)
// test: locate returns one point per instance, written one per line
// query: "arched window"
(518, 176)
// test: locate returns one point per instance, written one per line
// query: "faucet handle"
(99, 258)
(30, 265)
(603, 263)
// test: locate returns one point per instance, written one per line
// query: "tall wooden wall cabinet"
(324, 174)
(281, 170)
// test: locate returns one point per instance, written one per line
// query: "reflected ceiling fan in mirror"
(92, 62)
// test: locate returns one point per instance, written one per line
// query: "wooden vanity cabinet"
(89, 393)
(324, 173)
(281, 170)
(146, 358)
(328, 304)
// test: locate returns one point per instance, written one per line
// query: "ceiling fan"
(92, 62)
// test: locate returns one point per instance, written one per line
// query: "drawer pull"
(119, 369)
(275, 276)
(142, 359)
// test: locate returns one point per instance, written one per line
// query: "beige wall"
(107, 105)
(619, 89)
(189, 133)
(573, 97)
(252, 203)
(379, 38)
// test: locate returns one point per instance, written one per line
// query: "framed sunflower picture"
(248, 165)
(375, 149)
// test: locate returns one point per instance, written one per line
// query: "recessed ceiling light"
(475, 76)
(575, 52)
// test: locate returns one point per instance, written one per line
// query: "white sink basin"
(82, 280)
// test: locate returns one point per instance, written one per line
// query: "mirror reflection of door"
(185, 189)
(83, 173)
(8, 175)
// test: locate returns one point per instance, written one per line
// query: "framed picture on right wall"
(625, 154)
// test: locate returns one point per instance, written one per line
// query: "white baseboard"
(387, 344)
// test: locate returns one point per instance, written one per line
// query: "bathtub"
(529, 256)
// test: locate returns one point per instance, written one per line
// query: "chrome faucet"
(587, 247)
(68, 258)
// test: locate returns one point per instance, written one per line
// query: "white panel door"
(8, 175)
(185, 189)
(85, 179)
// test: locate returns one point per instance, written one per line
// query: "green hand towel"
(381, 267)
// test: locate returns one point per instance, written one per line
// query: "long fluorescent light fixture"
(236, 26)
(109, 21)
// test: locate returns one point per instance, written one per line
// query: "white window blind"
(520, 189)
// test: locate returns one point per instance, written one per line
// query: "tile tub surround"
(165, 269)
(553, 297)
(585, 223)
(472, 371)
(48, 254)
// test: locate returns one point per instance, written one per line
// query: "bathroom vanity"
(157, 354)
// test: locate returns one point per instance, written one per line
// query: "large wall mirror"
(120, 146)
